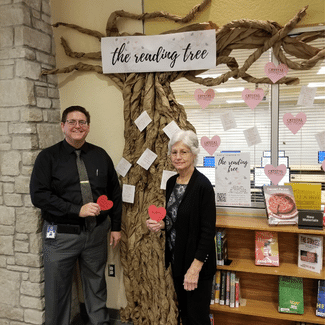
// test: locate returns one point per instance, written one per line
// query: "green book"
(291, 295)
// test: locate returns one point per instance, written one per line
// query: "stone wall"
(29, 122)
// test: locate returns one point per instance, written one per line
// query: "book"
(310, 252)
(221, 246)
(211, 319)
(223, 288)
(280, 205)
(307, 195)
(237, 292)
(291, 296)
(320, 305)
(213, 290)
(217, 287)
(227, 288)
(232, 289)
(266, 248)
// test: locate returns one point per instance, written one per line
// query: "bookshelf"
(259, 284)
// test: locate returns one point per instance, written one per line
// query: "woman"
(190, 230)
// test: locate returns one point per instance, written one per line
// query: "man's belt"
(68, 229)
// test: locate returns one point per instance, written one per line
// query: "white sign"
(228, 121)
(252, 136)
(232, 186)
(194, 50)
(171, 128)
(128, 192)
(123, 167)
(306, 96)
(142, 121)
(147, 159)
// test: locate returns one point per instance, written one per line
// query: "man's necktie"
(85, 189)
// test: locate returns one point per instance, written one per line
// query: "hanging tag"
(51, 231)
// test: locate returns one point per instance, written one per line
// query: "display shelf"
(259, 223)
(246, 265)
(267, 309)
(259, 284)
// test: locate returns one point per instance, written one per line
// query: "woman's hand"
(191, 277)
(154, 225)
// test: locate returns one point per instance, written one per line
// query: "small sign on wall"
(194, 50)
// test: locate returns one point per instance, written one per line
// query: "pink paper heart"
(275, 174)
(323, 165)
(294, 123)
(275, 73)
(155, 213)
(204, 98)
(252, 99)
(211, 145)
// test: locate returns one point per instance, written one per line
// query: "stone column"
(29, 122)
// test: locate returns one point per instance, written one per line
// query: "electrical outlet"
(111, 270)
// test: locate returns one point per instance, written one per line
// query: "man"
(75, 228)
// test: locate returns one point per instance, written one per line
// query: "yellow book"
(307, 195)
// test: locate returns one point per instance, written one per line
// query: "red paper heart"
(104, 202)
(157, 214)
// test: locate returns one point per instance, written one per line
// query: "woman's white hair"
(189, 138)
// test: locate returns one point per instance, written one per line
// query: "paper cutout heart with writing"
(275, 174)
(155, 213)
(294, 123)
(104, 203)
(210, 145)
(252, 99)
(275, 73)
(204, 98)
(323, 165)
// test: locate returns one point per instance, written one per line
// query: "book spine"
(237, 292)
(228, 288)
(219, 252)
(213, 290)
(232, 289)
(223, 288)
(320, 304)
(217, 288)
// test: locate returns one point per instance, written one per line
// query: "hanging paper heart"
(104, 203)
(294, 123)
(210, 145)
(155, 213)
(204, 98)
(275, 174)
(252, 99)
(323, 165)
(275, 73)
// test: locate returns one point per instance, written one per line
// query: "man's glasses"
(82, 123)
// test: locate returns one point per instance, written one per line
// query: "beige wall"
(104, 100)
(222, 12)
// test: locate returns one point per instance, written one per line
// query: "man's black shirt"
(55, 186)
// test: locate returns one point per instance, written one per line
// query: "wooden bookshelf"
(259, 284)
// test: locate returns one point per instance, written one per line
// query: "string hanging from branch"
(148, 286)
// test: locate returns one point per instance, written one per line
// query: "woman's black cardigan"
(195, 226)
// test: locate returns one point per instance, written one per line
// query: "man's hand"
(90, 209)
(115, 238)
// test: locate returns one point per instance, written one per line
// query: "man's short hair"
(74, 109)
